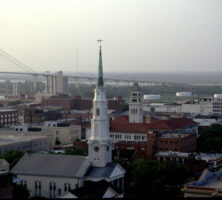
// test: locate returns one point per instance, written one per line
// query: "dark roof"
(101, 171)
(52, 165)
(122, 124)
(93, 189)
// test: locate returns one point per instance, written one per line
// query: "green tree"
(20, 192)
(74, 151)
(12, 156)
(211, 139)
(158, 178)
(125, 107)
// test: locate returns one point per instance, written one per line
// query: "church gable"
(117, 172)
(110, 193)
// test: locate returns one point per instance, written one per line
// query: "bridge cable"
(16, 61)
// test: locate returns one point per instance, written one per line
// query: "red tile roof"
(122, 124)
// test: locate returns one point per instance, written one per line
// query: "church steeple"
(99, 145)
(100, 68)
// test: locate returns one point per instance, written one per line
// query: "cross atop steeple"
(100, 43)
(100, 67)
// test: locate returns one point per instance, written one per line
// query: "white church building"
(53, 176)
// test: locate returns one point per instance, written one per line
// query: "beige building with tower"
(136, 105)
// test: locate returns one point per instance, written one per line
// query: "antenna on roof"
(77, 64)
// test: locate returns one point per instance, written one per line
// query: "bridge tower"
(34, 82)
(14, 88)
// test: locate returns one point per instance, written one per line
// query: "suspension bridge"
(56, 82)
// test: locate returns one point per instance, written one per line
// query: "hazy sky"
(139, 35)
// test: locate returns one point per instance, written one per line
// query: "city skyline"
(144, 36)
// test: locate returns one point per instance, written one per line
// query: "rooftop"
(94, 189)
(52, 165)
(11, 139)
(208, 156)
(122, 124)
(135, 87)
(209, 179)
(7, 110)
(172, 154)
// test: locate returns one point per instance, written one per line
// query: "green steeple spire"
(100, 68)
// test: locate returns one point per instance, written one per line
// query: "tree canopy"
(12, 156)
(211, 139)
(74, 151)
(155, 178)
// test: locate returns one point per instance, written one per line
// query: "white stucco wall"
(45, 183)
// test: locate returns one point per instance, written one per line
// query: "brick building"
(38, 116)
(77, 103)
(8, 117)
(143, 140)
(86, 104)
(188, 160)
(81, 104)
(153, 135)
(169, 142)
(116, 103)
(62, 101)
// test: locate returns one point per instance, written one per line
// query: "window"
(52, 190)
(59, 191)
(24, 183)
(67, 187)
(97, 112)
(37, 188)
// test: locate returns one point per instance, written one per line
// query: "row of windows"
(73, 132)
(135, 94)
(217, 106)
(8, 115)
(135, 111)
(177, 159)
(217, 110)
(52, 188)
(166, 149)
(136, 100)
(127, 137)
(166, 142)
(217, 163)
(9, 120)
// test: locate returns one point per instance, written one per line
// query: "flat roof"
(208, 156)
(11, 139)
(173, 135)
(172, 154)
(8, 110)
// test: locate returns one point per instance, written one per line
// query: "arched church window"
(97, 112)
